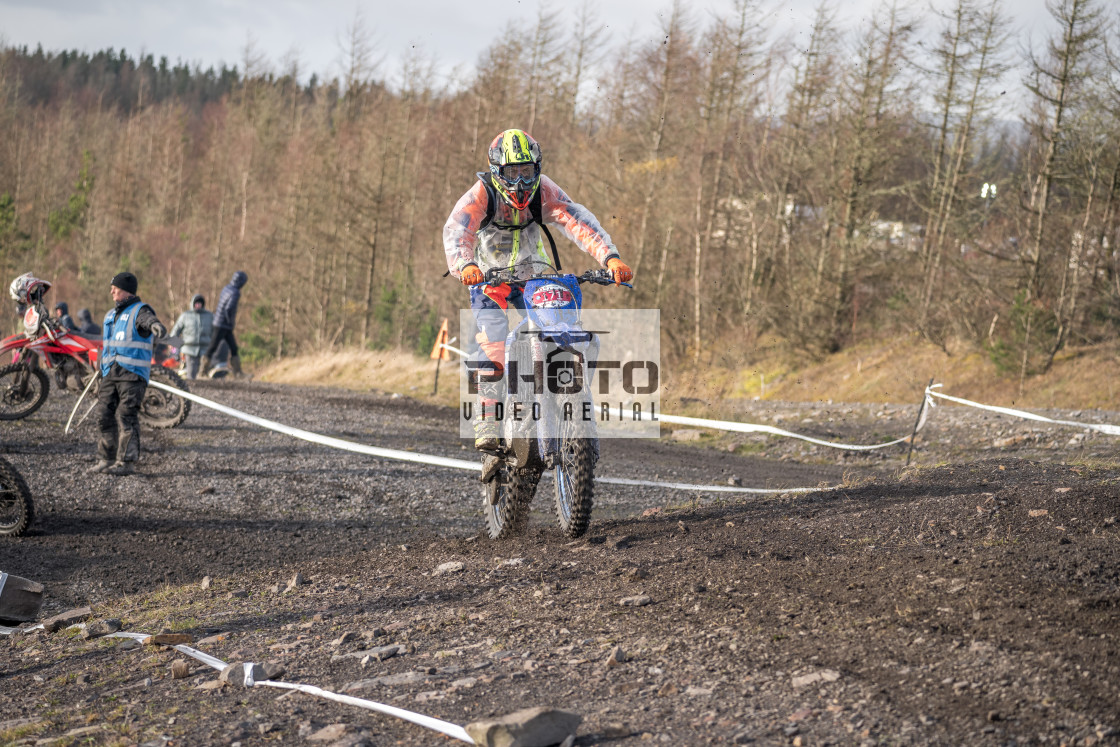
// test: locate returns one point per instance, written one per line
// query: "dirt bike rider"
(130, 328)
(498, 224)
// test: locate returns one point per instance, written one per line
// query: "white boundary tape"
(1112, 430)
(444, 727)
(725, 425)
(439, 461)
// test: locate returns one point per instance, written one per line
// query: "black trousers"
(118, 416)
(217, 334)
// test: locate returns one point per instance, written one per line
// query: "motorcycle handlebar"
(496, 276)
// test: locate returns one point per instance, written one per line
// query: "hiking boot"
(101, 466)
(486, 435)
(121, 468)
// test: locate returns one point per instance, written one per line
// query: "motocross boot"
(486, 434)
(235, 366)
(204, 366)
(101, 466)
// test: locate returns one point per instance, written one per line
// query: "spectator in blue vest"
(126, 361)
(225, 317)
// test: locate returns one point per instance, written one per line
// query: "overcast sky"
(454, 32)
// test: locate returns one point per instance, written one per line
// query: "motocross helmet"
(27, 288)
(515, 167)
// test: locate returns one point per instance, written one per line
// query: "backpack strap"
(535, 211)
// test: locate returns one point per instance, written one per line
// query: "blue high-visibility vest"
(124, 345)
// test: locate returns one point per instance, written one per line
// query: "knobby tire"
(23, 390)
(160, 409)
(16, 508)
(509, 514)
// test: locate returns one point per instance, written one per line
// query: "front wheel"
(575, 477)
(160, 409)
(506, 499)
(16, 509)
(23, 390)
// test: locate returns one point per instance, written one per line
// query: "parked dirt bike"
(72, 357)
(530, 446)
(16, 509)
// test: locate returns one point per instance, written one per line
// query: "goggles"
(515, 173)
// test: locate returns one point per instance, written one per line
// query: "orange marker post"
(440, 353)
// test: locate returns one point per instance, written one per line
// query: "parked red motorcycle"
(73, 358)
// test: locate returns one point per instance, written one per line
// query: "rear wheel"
(16, 509)
(160, 409)
(575, 478)
(22, 390)
(506, 499)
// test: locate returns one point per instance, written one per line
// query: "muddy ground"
(972, 598)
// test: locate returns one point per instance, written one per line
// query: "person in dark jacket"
(194, 325)
(62, 317)
(86, 325)
(225, 317)
(130, 328)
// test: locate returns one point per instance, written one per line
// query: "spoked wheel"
(575, 476)
(16, 509)
(160, 409)
(506, 499)
(22, 390)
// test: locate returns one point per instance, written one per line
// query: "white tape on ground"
(1112, 430)
(438, 461)
(443, 727)
(8, 631)
(725, 425)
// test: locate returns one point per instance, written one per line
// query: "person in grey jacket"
(62, 317)
(225, 317)
(86, 325)
(194, 326)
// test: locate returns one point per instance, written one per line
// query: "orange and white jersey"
(512, 240)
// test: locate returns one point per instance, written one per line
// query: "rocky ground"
(971, 598)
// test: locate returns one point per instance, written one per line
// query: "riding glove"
(622, 273)
(158, 330)
(471, 275)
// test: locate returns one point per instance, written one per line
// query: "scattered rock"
(651, 512)
(207, 582)
(216, 638)
(208, 490)
(234, 674)
(734, 481)
(640, 600)
(330, 733)
(616, 658)
(687, 434)
(1034, 513)
(101, 627)
(823, 675)
(66, 619)
(380, 653)
(453, 566)
(238, 594)
(668, 689)
(343, 639)
(513, 562)
(532, 727)
(296, 580)
(180, 669)
(694, 691)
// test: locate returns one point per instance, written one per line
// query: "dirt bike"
(548, 440)
(72, 357)
(16, 509)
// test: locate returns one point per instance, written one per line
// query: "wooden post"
(914, 435)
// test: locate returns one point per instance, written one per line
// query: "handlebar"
(496, 276)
